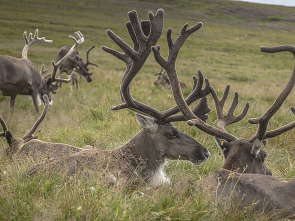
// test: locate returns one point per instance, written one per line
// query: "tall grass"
(226, 49)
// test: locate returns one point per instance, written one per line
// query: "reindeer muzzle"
(89, 79)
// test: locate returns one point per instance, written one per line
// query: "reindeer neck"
(141, 153)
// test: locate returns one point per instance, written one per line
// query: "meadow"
(226, 49)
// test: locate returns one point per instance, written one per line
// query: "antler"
(29, 135)
(264, 119)
(4, 127)
(281, 130)
(87, 57)
(193, 119)
(78, 41)
(31, 41)
(145, 35)
(160, 73)
(43, 72)
(224, 120)
(5, 132)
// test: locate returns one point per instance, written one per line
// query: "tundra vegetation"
(226, 49)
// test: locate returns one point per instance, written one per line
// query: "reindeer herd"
(244, 178)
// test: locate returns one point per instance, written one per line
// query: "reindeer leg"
(35, 100)
(60, 76)
(12, 101)
(75, 80)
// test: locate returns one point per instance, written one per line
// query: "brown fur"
(136, 161)
(20, 76)
(238, 157)
(39, 151)
(264, 193)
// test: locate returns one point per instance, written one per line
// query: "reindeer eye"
(172, 135)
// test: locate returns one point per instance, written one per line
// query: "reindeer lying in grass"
(141, 159)
(29, 147)
(244, 179)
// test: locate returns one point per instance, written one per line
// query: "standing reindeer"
(143, 157)
(75, 61)
(255, 188)
(163, 80)
(20, 76)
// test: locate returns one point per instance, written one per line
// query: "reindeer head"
(241, 154)
(50, 81)
(162, 79)
(81, 67)
(166, 138)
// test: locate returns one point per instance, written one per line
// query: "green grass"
(226, 49)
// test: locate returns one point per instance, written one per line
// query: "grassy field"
(226, 49)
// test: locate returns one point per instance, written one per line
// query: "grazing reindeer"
(29, 147)
(143, 157)
(243, 156)
(20, 76)
(163, 80)
(74, 61)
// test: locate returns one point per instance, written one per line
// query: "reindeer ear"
(146, 122)
(255, 148)
(222, 144)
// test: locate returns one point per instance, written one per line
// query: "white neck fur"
(160, 177)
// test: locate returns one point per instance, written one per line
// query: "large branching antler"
(182, 104)
(144, 35)
(32, 40)
(77, 42)
(265, 118)
(29, 135)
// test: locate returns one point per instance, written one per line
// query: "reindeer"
(244, 179)
(144, 156)
(75, 61)
(163, 80)
(20, 76)
(29, 147)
